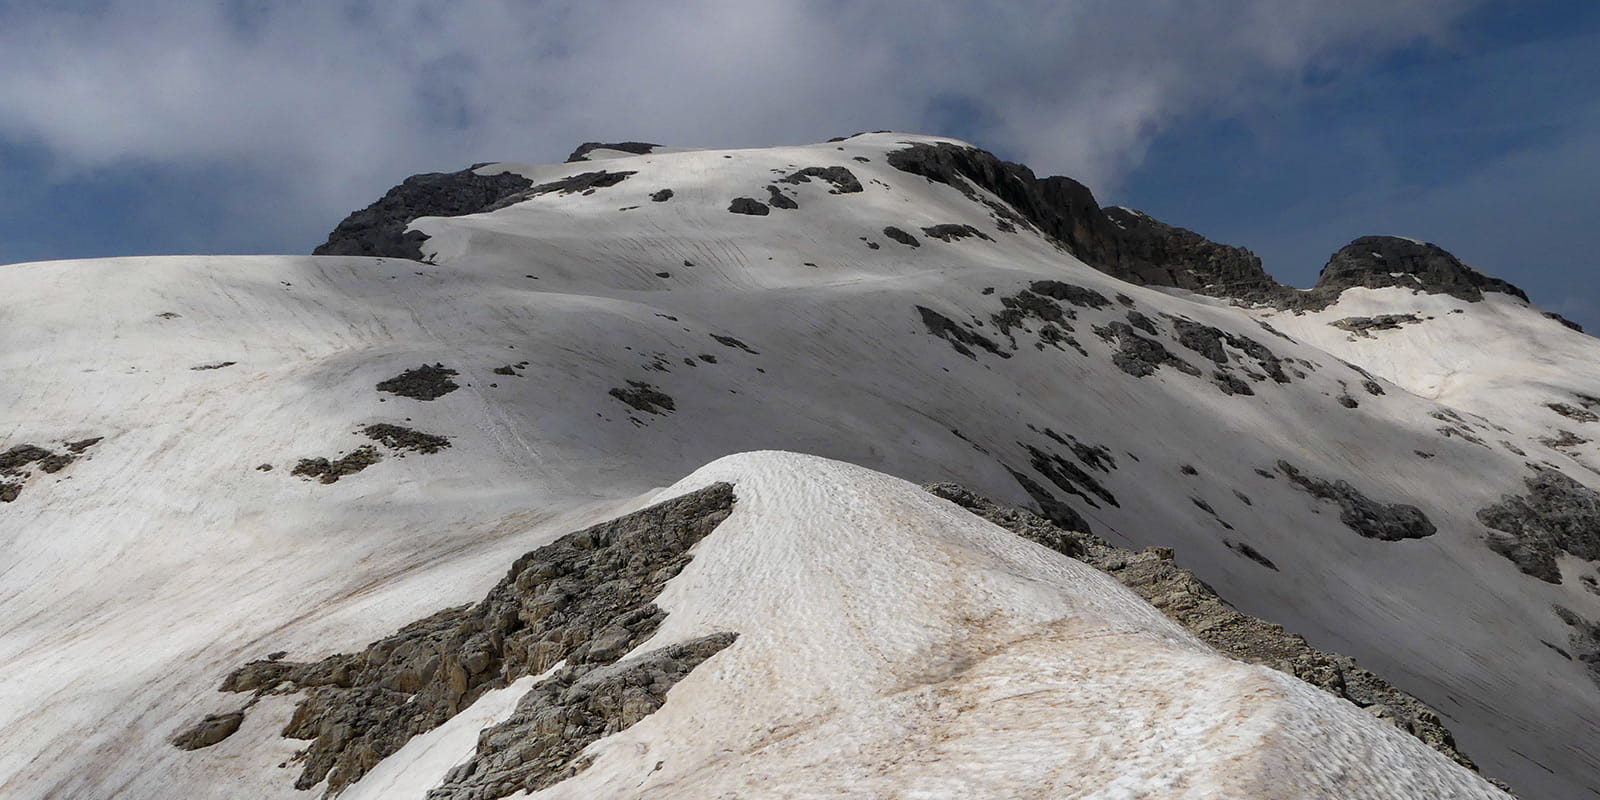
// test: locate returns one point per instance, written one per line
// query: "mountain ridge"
(579, 346)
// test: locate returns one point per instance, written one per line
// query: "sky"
(1286, 126)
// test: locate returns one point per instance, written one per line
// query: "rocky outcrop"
(1378, 262)
(1138, 248)
(1120, 242)
(1154, 575)
(1389, 522)
(748, 206)
(586, 599)
(23, 461)
(636, 148)
(380, 228)
(1558, 515)
(427, 382)
(539, 745)
(645, 397)
(841, 179)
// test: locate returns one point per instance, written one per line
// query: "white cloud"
(330, 102)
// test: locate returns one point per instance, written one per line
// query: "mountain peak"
(1378, 262)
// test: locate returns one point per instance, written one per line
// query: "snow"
(133, 581)
(892, 645)
(423, 762)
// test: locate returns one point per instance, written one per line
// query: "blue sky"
(1287, 126)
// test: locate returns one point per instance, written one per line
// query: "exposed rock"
(636, 148)
(1572, 413)
(582, 183)
(422, 383)
(1068, 477)
(780, 200)
(1563, 439)
(661, 196)
(950, 232)
(1059, 513)
(749, 205)
(84, 444)
(1143, 323)
(1557, 515)
(14, 460)
(400, 437)
(1155, 576)
(1377, 262)
(1137, 355)
(587, 599)
(1386, 521)
(1564, 321)
(729, 341)
(380, 228)
(1251, 553)
(538, 745)
(1584, 641)
(326, 471)
(212, 365)
(645, 397)
(214, 728)
(843, 180)
(1135, 247)
(10, 491)
(1070, 293)
(1363, 326)
(901, 236)
(960, 337)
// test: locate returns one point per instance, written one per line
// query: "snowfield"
(602, 345)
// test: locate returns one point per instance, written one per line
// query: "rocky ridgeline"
(581, 602)
(1154, 575)
(1138, 248)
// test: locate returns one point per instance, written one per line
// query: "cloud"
(319, 106)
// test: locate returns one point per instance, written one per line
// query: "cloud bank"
(323, 105)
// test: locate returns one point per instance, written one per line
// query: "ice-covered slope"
(607, 336)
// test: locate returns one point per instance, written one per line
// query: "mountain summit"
(974, 488)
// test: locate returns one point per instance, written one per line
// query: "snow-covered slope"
(609, 337)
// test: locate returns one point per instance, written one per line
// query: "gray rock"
(427, 382)
(538, 746)
(960, 337)
(1376, 262)
(636, 148)
(901, 236)
(750, 206)
(1385, 521)
(950, 232)
(645, 397)
(380, 228)
(778, 199)
(842, 180)
(214, 728)
(400, 437)
(1557, 515)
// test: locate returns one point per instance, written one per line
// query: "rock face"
(1154, 575)
(1120, 242)
(1557, 515)
(380, 228)
(1377, 262)
(539, 745)
(1138, 248)
(586, 599)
